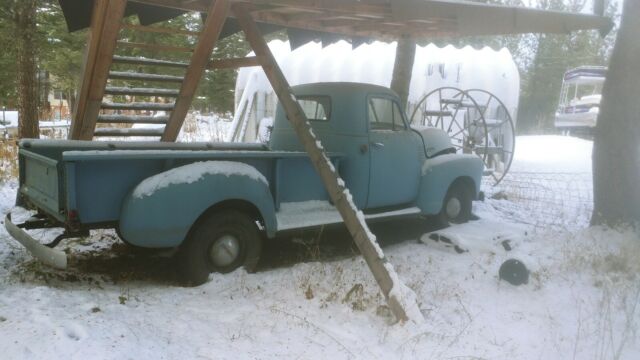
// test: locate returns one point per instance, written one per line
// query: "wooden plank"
(333, 184)
(103, 33)
(112, 90)
(234, 63)
(160, 30)
(146, 61)
(138, 106)
(128, 132)
(158, 47)
(199, 6)
(135, 76)
(216, 17)
(132, 119)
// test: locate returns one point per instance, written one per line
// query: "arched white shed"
(434, 67)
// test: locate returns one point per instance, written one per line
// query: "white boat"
(580, 99)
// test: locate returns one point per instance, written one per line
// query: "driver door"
(395, 155)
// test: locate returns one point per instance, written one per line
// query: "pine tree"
(616, 157)
(23, 24)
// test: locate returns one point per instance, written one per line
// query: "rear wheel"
(456, 208)
(221, 242)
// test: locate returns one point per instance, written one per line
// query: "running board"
(317, 213)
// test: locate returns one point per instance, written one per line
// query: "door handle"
(377, 145)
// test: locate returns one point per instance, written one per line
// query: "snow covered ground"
(320, 302)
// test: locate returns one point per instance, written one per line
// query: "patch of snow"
(8, 119)
(264, 130)
(191, 173)
(581, 301)
(404, 296)
(552, 153)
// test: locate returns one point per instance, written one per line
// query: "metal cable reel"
(482, 127)
(501, 134)
(448, 109)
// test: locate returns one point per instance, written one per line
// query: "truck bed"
(93, 178)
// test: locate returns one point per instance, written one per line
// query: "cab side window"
(384, 114)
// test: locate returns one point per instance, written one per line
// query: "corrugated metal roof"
(361, 20)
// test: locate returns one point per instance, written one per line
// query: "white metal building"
(434, 67)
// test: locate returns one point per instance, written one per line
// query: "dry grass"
(8, 160)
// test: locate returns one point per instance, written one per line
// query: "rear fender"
(162, 216)
(440, 172)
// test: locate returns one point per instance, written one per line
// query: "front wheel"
(221, 242)
(456, 208)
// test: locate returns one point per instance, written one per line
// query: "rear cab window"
(316, 108)
(385, 114)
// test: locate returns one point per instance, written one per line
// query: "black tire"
(236, 238)
(456, 207)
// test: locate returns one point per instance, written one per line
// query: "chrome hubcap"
(224, 251)
(453, 208)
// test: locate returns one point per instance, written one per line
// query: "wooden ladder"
(108, 76)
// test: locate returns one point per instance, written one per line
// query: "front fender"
(440, 172)
(160, 211)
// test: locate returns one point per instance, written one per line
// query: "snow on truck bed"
(580, 303)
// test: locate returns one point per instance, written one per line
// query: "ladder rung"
(146, 61)
(130, 119)
(128, 132)
(141, 91)
(129, 75)
(137, 106)
(159, 47)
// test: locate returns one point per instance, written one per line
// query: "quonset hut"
(434, 67)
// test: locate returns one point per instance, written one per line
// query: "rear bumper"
(47, 255)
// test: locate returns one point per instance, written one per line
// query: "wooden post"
(382, 271)
(403, 68)
(103, 34)
(199, 61)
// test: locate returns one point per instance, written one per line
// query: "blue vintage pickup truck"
(216, 202)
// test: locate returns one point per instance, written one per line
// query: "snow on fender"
(161, 210)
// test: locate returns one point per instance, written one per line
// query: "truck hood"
(436, 141)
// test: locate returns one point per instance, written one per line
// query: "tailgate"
(39, 182)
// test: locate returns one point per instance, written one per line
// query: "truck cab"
(382, 156)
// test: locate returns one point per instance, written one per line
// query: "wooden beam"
(347, 6)
(157, 47)
(179, 4)
(234, 63)
(216, 17)
(382, 271)
(103, 34)
(160, 30)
